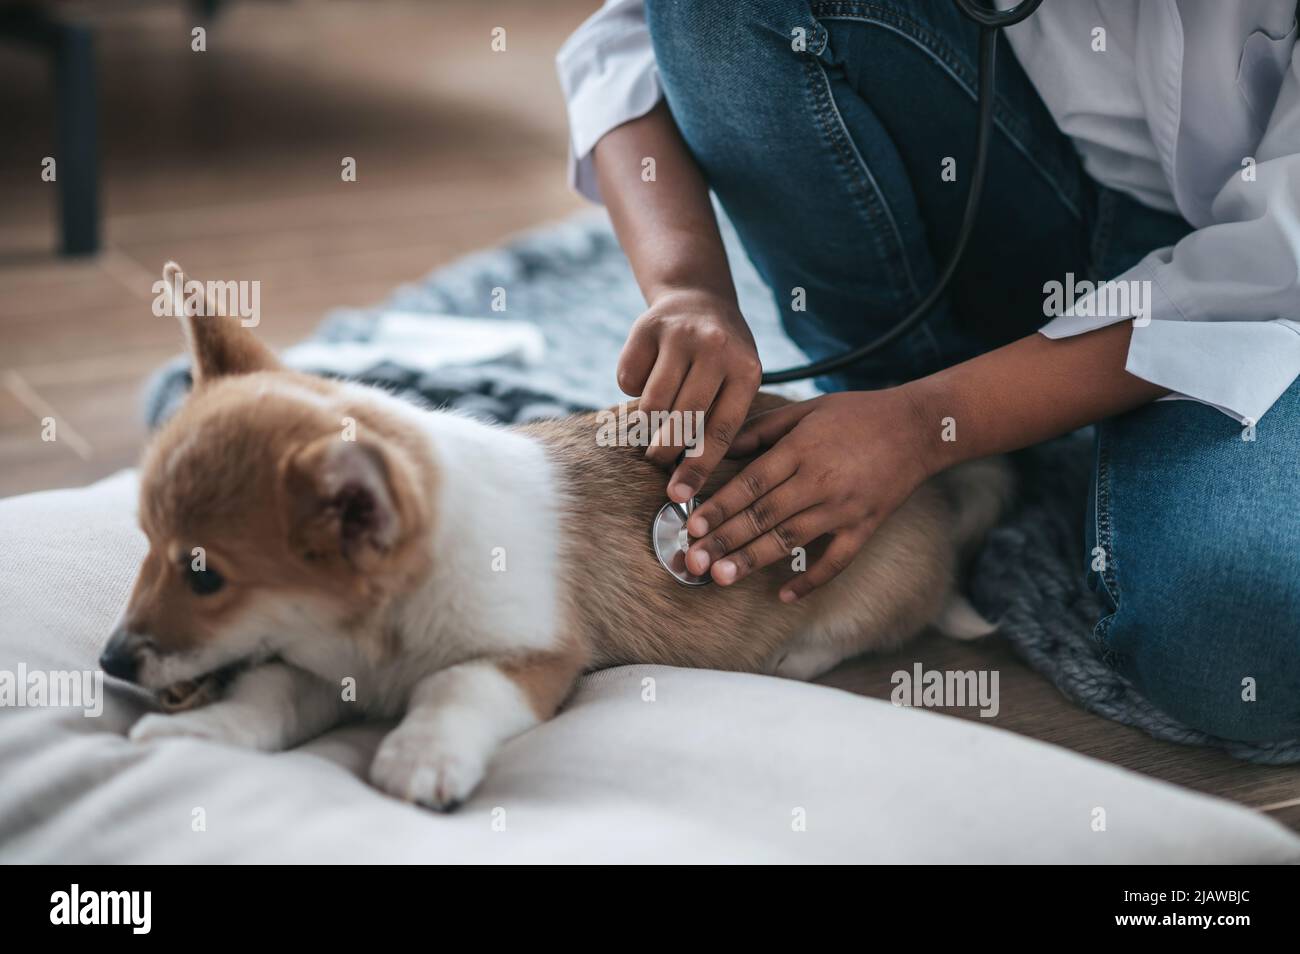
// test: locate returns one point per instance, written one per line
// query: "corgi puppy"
(319, 550)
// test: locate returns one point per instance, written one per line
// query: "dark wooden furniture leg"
(72, 49)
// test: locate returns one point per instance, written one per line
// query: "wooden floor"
(229, 162)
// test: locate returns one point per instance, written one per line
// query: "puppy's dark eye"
(203, 582)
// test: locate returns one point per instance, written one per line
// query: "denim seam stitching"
(825, 101)
(1100, 245)
(1003, 118)
(829, 98)
(1105, 534)
(873, 204)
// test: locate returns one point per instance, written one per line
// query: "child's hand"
(837, 464)
(692, 351)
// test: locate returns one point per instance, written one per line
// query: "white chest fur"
(495, 544)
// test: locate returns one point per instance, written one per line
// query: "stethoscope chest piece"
(669, 539)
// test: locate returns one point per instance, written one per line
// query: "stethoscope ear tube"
(997, 19)
(990, 22)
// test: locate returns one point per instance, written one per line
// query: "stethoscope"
(668, 529)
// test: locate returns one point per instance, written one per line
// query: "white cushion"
(719, 767)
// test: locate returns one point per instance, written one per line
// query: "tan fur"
(623, 606)
(253, 505)
(217, 344)
(255, 469)
(546, 679)
(630, 610)
(234, 472)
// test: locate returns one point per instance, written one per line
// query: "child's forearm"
(690, 352)
(1026, 392)
(666, 223)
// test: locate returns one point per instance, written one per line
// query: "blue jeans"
(824, 129)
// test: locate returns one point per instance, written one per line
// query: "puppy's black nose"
(119, 662)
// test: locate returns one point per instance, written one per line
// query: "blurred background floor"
(229, 161)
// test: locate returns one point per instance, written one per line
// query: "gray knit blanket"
(552, 309)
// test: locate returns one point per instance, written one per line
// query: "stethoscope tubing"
(990, 21)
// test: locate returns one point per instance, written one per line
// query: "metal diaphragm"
(669, 539)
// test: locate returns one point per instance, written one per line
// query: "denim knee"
(1198, 534)
(1232, 669)
(819, 196)
(698, 27)
(728, 68)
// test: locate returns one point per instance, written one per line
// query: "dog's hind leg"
(806, 659)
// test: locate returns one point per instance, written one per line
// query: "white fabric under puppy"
(645, 764)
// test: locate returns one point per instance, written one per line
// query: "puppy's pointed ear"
(347, 499)
(218, 344)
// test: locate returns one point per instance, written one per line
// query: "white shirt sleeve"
(608, 74)
(1221, 323)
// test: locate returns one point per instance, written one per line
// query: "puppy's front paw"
(195, 724)
(426, 768)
